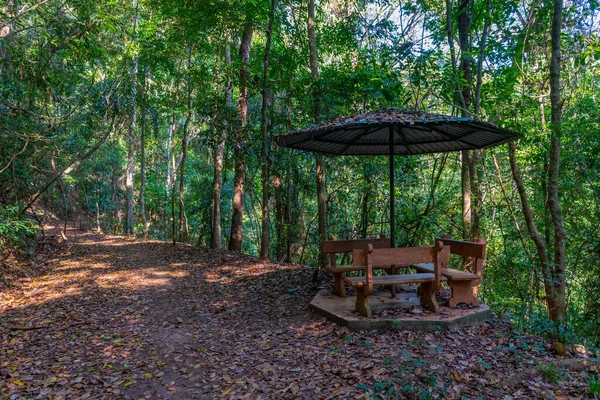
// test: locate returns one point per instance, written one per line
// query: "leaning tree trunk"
(237, 217)
(264, 238)
(556, 304)
(320, 167)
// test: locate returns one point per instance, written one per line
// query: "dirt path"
(114, 317)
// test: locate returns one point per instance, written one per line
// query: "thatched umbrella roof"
(396, 132)
(409, 133)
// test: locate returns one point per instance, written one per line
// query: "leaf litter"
(112, 317)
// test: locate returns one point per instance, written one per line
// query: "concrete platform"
(395, 314)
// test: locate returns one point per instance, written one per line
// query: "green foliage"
(593, 385)
(17, 231)
(551, 372)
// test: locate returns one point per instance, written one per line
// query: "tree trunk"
(556, 305)
(215, 235)
(131, 134)
(143, 156)
(173, 181)
(184, 141)
(169, 177)
(237, 217)
(264, 238)
(538, 240)
(279, 216)
(320, 162)
(129, 179)
(464, 19)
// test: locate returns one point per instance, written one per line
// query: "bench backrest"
(475, 250)
(334, 247)
(437, 254)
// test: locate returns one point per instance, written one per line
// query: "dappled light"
(133, 318)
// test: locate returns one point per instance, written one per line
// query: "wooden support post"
(338, 284)
(462, 293)
(428, 296)
(362, 302)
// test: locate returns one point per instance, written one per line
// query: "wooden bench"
(334, 247)
(438, 255)
(462, 283)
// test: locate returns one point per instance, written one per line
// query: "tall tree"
(219, 150)
(264, 238)
(556, 305)
(143, 155)
(320, 162)
(464, 22)
(553, 273)
(184, 143)
(237, 217)
(131, 132)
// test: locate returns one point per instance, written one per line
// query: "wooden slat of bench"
(464, 248)
(352, 268)
(390, 280)
(450, 273)
(346, 246)
(345, 268)
(404, 255)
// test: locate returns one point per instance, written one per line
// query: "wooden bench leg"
(428, 297)
(338, 284)
(461, 293)
(362, 302)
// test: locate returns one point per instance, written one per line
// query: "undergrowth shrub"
(17, 231)
(594, 385)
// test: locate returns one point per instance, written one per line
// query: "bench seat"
(334, 247)
(380, 258)
(344, 268)
(453, 274)
(460, 283)
(390, 280)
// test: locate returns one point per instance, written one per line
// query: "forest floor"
(111, 317)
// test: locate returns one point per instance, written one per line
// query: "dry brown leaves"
(120, 318)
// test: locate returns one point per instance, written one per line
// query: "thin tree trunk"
(6, 28)
(215, 235)
(288, 179)
(464, 19)
(538, 240)
(172, 188)
(143, 156)
(184, 141)
(129, 229)
(168, 181)
(476, 157)
(556, 307)
(264, 238)
(279, 216)
(320, 162)
(237, 217)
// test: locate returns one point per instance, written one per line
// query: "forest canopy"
(155, 119)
